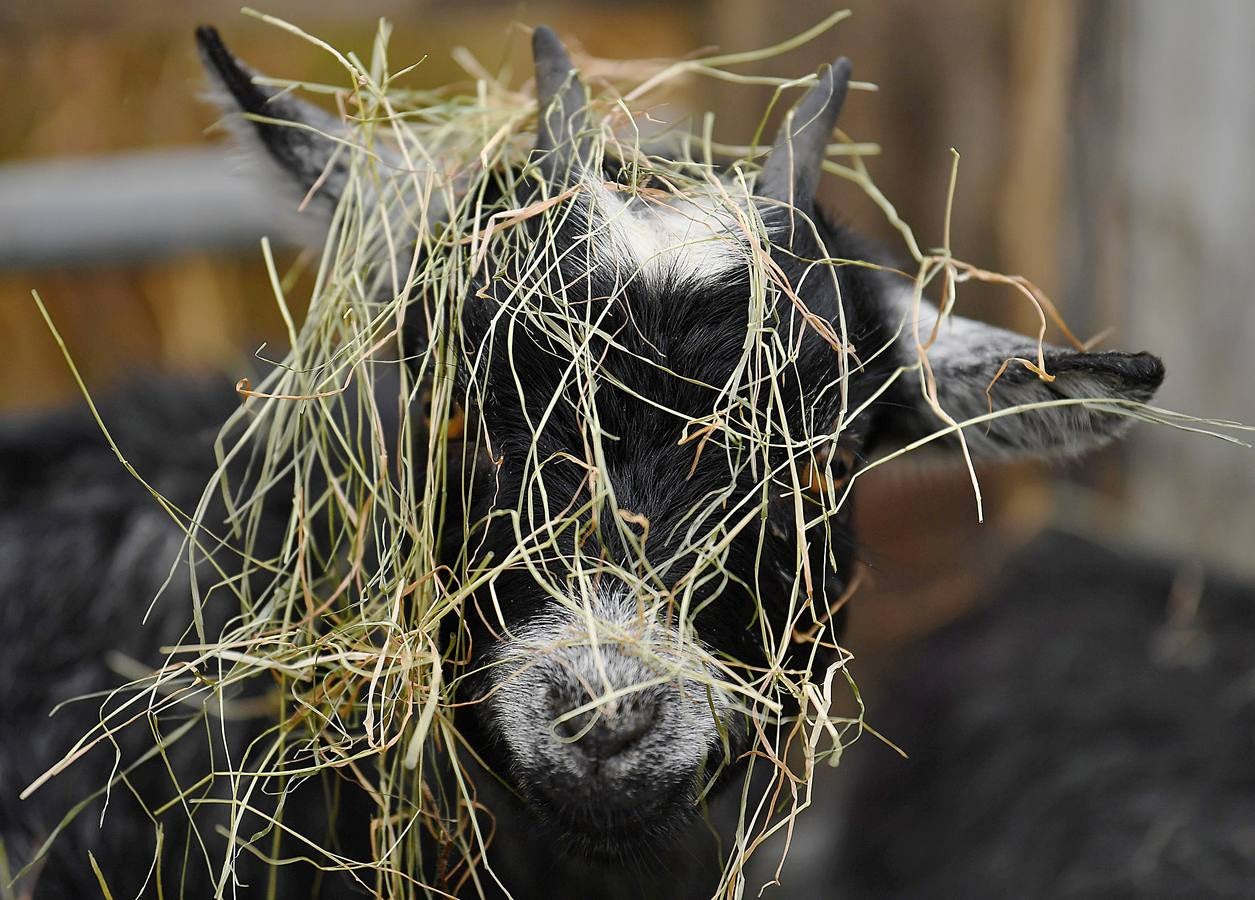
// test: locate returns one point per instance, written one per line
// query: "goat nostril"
(569, 727)
(605, 732)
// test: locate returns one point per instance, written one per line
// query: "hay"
(335, 630)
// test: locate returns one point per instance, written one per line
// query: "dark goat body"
(84, 550)
(618, 799)
(95, 582)
(1090, 733)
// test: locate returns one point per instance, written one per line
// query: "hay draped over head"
(343, 620)
(351, 620)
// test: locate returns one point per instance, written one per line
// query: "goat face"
(600, 663)
(601, 651)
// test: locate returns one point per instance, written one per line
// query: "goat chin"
(679, 855)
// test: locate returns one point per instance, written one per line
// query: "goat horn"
(562, 100)
(791, 173)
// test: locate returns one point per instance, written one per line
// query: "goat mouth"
(614, 823)
(620, 835)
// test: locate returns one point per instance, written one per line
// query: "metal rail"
(124, 209)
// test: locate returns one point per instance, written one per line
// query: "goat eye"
(843, 464)
(830, 468)
(456, 417)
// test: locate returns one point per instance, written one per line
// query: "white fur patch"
(669, 237)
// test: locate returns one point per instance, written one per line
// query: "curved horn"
(791, 173)
(562, 100)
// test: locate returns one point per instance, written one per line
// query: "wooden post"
(1163, 241)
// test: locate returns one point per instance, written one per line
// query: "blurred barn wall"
(1162, 209)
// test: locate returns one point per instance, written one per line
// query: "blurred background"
(1105, 154)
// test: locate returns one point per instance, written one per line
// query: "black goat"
(660, 286)
(1089, 733)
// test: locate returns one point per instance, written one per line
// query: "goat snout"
(604, 740)
(606, 730)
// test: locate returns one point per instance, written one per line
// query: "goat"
(1086, 733)
(613, 789)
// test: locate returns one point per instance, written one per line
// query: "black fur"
(1084, 735)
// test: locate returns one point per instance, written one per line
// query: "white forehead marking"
(669, 237)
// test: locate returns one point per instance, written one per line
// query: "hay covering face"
(670, 375)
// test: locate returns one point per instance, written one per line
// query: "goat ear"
(297, 142)
(966, 358)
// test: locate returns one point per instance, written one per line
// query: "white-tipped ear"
(967, 356)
